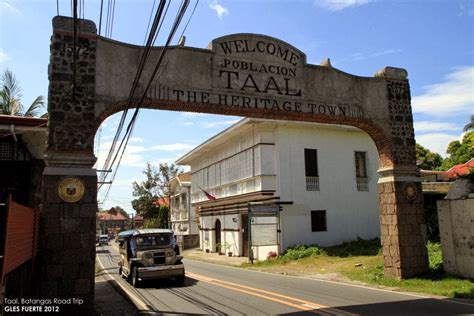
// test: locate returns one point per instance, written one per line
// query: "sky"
(432, 40)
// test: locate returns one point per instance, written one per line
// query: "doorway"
(245, 234)
(218, 235)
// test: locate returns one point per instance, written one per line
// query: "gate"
(19, 243)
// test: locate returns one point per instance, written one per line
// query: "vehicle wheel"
(180, 279)
(135, 281)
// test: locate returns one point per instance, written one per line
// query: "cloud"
(173, 147)
(338, 5)
(220, 10)
(218, 124)
(454, 96)
(437, 142)
(467, 8)
(3, 56)
(425, 126)
(8, 7)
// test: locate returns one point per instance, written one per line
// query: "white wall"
(349, 213)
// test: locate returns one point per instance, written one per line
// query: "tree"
(469, 126)
(426, 159)
(155, 186)
(459, 152)
(121, 211)
(10, 98)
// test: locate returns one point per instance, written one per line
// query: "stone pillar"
(402, 218)
(69, 188)
(402, 223)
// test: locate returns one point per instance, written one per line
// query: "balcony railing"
(312, 183)
(362, 184)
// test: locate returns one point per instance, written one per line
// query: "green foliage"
(155, 186)
(10, 97)
(301, 251)
(426, 159)
(469, 126)
(435, 256)
(359, 247)
(459, 152)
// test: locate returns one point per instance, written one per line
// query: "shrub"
(302, 251)
(435, 256)
(271, 255)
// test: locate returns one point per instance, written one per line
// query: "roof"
(135, 232)
(23, 120)
(236, 130)
(183, 180)
(31, 129)
(110, 217)
(162, 201)
(461, 169)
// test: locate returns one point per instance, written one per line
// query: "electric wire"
(74, 51)
(112, 19)
(100, 19)
(149, 21)
(141, 65)
(190, 17)
(130, 127)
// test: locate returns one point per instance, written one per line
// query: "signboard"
(264, 210)
(264, 235)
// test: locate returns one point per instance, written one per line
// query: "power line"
(141, 65)
(130, 127)
(112, 19)
(190, 17)
(100, 19)
(149, 20)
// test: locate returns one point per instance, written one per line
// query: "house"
(184, 220)
(267, 185)
(22, 147)
(112, 222)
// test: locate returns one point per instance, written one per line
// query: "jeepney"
(147, 254)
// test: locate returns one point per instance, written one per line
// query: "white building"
(322, 178)
(184, 220)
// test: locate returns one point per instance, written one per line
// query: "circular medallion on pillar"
(410, 191)
(71, 189)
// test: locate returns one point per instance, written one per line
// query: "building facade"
(184, 220)
(317, 184)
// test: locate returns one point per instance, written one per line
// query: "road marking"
(442, 299)
(272, 296)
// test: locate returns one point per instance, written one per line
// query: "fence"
(20, 240)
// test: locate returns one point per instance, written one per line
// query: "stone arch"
(241, 74)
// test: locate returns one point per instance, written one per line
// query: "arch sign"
(242, 74)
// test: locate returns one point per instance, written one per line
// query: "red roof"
(461, 169)
(110, 217)
(161, 201)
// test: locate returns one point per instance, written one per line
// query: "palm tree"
(469, 126)
(10, 98)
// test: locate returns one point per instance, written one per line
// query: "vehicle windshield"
(150, 241)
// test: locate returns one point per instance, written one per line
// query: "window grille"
(362, 179)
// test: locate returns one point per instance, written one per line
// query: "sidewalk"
(213, 257)
(108, 301)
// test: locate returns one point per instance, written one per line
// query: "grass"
(362, 261)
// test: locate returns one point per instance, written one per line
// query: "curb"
(142, 307)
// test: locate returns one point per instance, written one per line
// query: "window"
(361, 171)
(318, 221)
(311, 169)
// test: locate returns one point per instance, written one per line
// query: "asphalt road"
(215, 289)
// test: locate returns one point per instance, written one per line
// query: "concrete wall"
(456, 226)
(349, 213)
